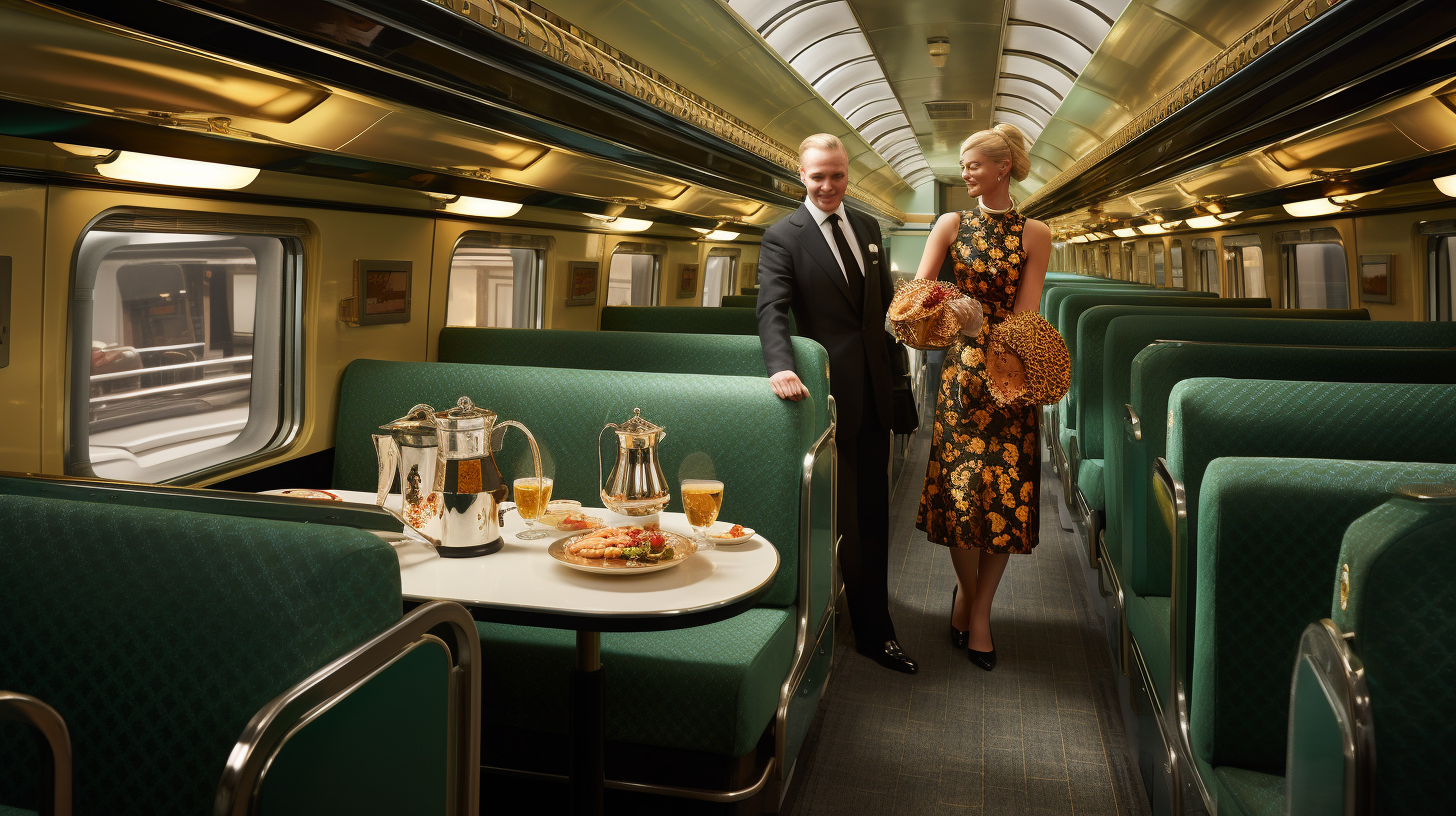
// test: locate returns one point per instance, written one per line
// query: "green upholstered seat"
(158, 634)
(749, 290)
(1401, 610)
(1053, 295)
(1090, 481)
(1147, 619)
(1130, 517)
(741, 301)
(1270, 536)
(633, 351)
(681, 319)
(727, 675)
(715, 687)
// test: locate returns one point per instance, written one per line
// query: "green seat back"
(1270, 533)
(1075, 306)
(1052, 296)
(1134, 524)
(1212, 418)
(749, 290)
(681, 319)
(157, 634)
(1402, 610)
(732, 428)
(741, 301)
(1128, 466)
(634, 351)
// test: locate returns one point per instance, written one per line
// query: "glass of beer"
(702, 499)
(532, 496)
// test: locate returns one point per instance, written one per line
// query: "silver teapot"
(636, 486)
(465, 489)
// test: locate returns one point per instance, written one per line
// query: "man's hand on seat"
(786, 385)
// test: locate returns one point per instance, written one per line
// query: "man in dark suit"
(825, 263)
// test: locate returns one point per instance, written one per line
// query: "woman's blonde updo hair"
(1000, 143)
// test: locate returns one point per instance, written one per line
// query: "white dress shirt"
(822, 218)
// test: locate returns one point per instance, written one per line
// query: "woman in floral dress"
(981, 488)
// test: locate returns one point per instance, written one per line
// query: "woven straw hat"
(919, 317)
(1026, 361)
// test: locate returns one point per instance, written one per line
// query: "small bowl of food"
(577, 522)
(729, 534)
(558, 509)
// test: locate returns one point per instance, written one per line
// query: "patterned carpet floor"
(1040, 735)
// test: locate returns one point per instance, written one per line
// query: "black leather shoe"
(890, 655)
(984, 660)
(958, 638)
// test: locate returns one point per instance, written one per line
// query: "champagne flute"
(702, 499)
(532, 496)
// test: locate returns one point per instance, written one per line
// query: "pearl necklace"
(981, 202)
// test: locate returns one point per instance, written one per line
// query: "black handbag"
(904, 415)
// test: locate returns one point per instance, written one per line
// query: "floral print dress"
(982, 485)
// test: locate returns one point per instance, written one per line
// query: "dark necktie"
(851, 267)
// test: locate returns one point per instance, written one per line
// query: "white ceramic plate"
(722, 528)
(683, 546)
(303, 493)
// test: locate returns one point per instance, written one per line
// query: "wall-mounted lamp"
(620, 224)
(1323, 206)
(149, 169)
(1447, 185)
(482, 207)
(83, 150)
(1213, 221)
(939, 48)
(716, 235)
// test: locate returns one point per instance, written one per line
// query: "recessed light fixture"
(482, 207)
(1213, 221)
(939, 48)
(1150, 229)
(1312, 207)
(1125, 232)
(83, 150)
(150, 169)
(1447, 185)
(620, 224)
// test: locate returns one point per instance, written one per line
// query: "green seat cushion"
(6, 810)
(1089, 481)
(634, 351)
(710, 688)
(1242, 792)
(759, 454)
(1147, 621)
(157, 634)
(1269, 538)
(1145, 382)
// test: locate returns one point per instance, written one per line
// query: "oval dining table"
(522, 584)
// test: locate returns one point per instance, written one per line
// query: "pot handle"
(535, 451)
(386, 453)
(601, 487)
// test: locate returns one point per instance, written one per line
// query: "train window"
(1315, 273)
(1205, 257)
(1127, 262)
(632, 279)
(1175, 263)
(1155, 248)
(1107, 262)
(1245, 260)
(497, 280)
(719, 273)
(1440, 254)
(185, 344)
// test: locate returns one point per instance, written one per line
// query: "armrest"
(1330, 763)
(1172, 500)
(51, 731)
(436, 623)
(1132, 425)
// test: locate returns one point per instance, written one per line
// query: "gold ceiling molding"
(1274, 29)
(571, 46)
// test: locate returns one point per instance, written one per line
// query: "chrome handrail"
(23, 708)
(167, 389)
(1341, 677)
(1132, 425)
(138, 372)
(271, 727)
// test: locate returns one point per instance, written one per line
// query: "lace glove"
(969, 312)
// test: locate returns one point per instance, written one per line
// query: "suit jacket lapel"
(812, 237)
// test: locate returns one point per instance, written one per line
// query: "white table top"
(522, 584)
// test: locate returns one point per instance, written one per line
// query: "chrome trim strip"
(1173, 501)
(1124, 635)
(1341, 676)
(700, 794)
(271, 726)
(23, 708)
(1131, 423)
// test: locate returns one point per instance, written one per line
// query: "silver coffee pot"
(410, 449)
(636, 486)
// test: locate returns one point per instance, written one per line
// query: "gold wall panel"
(22, 237)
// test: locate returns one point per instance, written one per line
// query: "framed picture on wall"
(582, 284)
(687, 280)
(1377, 278)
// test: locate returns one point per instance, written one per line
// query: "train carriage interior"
(245, 244)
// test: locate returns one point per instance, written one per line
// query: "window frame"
(291, 233)
(1175, 250)
(1208, 272)
(1233, 246)
(734, 256)
(1438, 236)
(657, 251)
(1287, 241)
(542, 245)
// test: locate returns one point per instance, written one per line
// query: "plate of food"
(725, 534)
(617, 550)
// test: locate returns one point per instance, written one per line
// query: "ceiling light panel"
(1043, 73)
(1050, 44)
(1076, 20)
(1026, 124)
(824, 43)
(1029, 91)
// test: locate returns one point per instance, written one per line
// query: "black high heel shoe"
(958, 638)
(983, 660)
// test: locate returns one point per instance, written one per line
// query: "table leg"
(588, 726)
